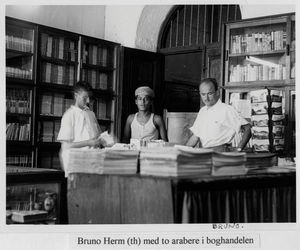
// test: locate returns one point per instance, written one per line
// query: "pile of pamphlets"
(229, 163)
(175, 161)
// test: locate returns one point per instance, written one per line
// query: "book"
(260, 120)
(259, 95)
(260, 133)
(29, 216)
(259, 108)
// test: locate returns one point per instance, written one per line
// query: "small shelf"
(18, 143)
(18, 115)
(23, 81)
(49, 117)
(109, 93)
(10, 53)
(104, 121)
(48, 144)
(255, 83)
(99, 67)
(58, 61)
(55, 87)
(258, 53)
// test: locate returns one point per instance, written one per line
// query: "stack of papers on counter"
(229, 163)
(89, 161)
(118, 161)
(103, 161)
(260, 161)
(175, 161)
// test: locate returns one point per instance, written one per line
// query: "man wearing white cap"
(144, 125)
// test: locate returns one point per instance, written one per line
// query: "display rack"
(259, 59)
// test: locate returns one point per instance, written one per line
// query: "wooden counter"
(106, 199)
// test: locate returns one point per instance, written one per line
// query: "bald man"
(218, 125)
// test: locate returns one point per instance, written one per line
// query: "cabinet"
(31, 189)
(57, 64)
(20, 43)
(99, 67)
(42, 66)
(259, 60)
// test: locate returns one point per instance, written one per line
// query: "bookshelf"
(259, 78)
(20, 44)
(42, 65)
(99, 67)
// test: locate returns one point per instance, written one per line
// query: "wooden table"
(106, 199)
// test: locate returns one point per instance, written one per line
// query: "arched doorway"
(190, 40)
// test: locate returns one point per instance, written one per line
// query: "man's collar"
(79, 109)
(213, 106)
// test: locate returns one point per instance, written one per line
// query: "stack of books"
(29, 216)
(175, 161)
(260, 161)
(229, 163)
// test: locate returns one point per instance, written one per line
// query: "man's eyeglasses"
(210, 94)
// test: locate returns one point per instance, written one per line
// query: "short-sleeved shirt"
(217, 125)
(77, 125)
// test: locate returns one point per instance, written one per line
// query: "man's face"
(143, 102)
(82, 99)
(208, 94)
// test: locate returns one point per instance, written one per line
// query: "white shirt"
(77, 125)
(217, 125)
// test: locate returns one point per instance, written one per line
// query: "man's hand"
(96, 142)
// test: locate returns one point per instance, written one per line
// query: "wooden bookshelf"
(259, 54)
(42, 65)
(20, 43)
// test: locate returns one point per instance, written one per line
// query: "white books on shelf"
(46, 104)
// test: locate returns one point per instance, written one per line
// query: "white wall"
(135, 26)
(121, 23)
(251, 10)
(84, 19)
(138, 26)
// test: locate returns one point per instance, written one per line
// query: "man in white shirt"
(79, 126)
(217, 124)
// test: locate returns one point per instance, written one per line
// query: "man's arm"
(161, 127)
(246, 136)
(127, 129)
(95, 142)
(192, 141)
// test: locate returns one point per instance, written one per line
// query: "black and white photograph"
(149, 125)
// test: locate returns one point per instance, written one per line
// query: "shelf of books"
(20, 80)
(58, 67)
(58, 60)
(99, 68)
(42, 66)
(20, 48)
(259, 61)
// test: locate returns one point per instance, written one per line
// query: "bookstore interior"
(151, 180)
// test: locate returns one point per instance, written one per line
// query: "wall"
(121, 23)
(84, 19)
(135, 26)
(250, 11)
(139, 26)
